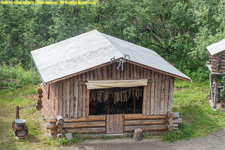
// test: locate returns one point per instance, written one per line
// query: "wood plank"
(162, 95)
(144, 100)
(96, 74)
(53, 96)
(100, 73)
(156, 94)
(45, 102)
(60, 98)
(87, 102)
(91, 75)
(68, 98)
(71, 115)
(145, 73)
(121, 73)
(131, 71)
(57, 98)
(48, 92)
(108, 124)
(86, 130)
(135, 72)
(90, 118)
(127, 71)
(87, 77)
(171, 94)
(159, 93)
(114, 72)
(64, 98)
(80, 99)
(148, 99)
(153, 93)
(166, 97)
(140, 117)
(84, 98)
(140, 72)
(84, 125)
(146, 128)
(76, 90)
(109, 72)
(144, 122)
(104, 73)
(118, 74)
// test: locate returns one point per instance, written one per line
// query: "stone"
(69, 136)
(137, 134)
(59, 136)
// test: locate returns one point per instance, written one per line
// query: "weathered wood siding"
(217, 60)
(69, 97)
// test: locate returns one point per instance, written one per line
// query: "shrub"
(13, 77)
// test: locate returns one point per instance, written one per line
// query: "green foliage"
(105, 137)
(77, 139)
(177, 30)
(63, 141)
(13, 77)
(184, 132)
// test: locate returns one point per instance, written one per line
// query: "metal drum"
(20, 123)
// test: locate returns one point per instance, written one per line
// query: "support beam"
(210, 85)
(215, 91)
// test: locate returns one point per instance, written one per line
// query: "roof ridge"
(116, 47)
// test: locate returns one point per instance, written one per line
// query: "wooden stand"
(21, 133)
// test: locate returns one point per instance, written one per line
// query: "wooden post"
(134, 104)
(215, 91)
(108, 107)
(210, 85)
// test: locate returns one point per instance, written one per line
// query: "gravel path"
(214, 141)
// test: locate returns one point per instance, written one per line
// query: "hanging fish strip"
(105, 96)
(122, 96)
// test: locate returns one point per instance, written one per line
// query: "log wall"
(217, 62)
(146, 123)
(69, 99)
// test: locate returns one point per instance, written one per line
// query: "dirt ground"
(214, 141)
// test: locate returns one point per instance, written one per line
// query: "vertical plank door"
(114, 124)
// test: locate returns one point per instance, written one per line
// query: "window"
(116, 101)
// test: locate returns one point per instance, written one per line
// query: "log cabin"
(96, 83)
(216, 66)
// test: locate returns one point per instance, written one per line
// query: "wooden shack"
(216, 66)
(96, 83)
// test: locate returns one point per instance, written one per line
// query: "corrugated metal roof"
(216, 47)
(92, 49)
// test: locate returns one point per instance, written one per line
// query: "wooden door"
(114, 124)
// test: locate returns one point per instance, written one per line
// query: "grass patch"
(105, 137)
(23, 98)
(199, 119)
(13, 77)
